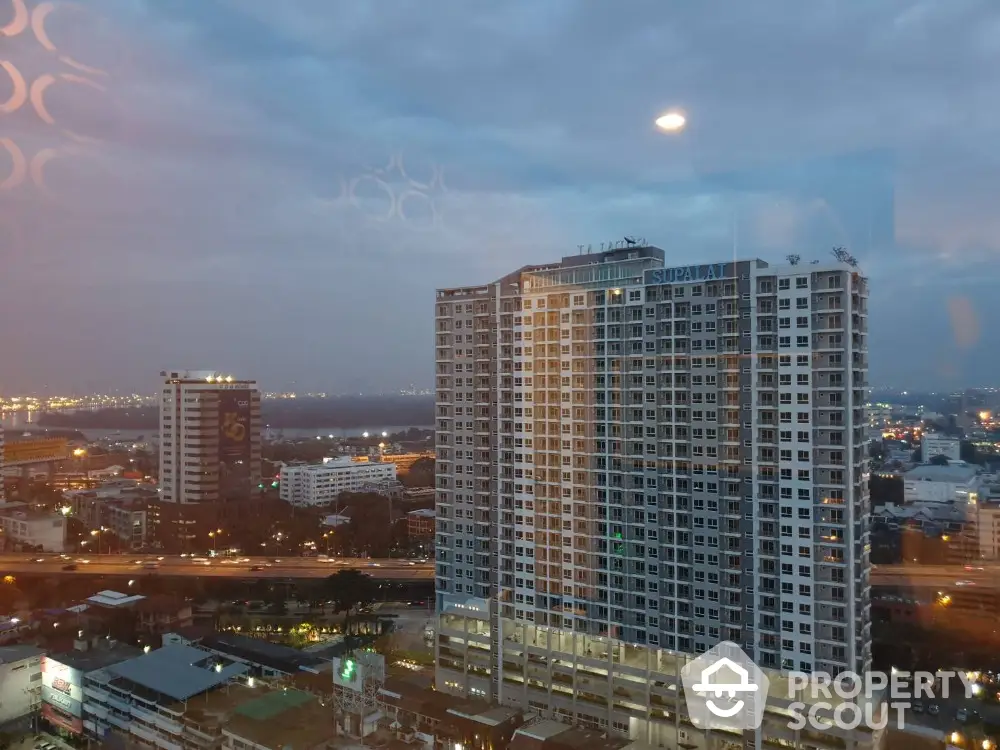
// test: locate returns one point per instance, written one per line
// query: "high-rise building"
(635, 463)
(210, 445)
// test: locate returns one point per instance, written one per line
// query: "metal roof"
(178, 672)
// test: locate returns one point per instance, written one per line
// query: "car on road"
(275, 560)
(256, 568)
(39, 559)
(965, 583)
(71, 566)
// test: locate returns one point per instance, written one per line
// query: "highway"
(216, 567)
(974, 577)
(985, 576)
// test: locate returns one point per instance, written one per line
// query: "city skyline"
(279, 193)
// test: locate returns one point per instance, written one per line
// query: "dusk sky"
(276, 189)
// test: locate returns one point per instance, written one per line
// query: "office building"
(933, 445)
(321, 484)
(210, 438)
(636, 462)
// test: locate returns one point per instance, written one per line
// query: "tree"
(938, 461)
(349, 589)
(420, 474)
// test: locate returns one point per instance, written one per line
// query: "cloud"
(252, 157)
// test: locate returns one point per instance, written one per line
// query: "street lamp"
(212, 535)
(97, 533)
(327, 535)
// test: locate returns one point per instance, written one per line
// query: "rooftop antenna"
(841, 254)
(793, 259)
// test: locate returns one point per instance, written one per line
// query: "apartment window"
(784, 283)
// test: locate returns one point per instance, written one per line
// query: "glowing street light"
(671, 122)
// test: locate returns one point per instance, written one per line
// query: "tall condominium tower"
(637, 462)
(209, 437)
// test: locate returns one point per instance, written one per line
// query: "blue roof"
(177, 671)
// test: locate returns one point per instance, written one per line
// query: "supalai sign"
(686, 274)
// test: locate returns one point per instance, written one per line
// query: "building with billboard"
(210, 437)
(63, 679)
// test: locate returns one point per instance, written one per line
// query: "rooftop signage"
(686, 274)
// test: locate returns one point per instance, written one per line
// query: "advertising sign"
(234, 426)
(60, 679)
(61, 700)
(688, 274)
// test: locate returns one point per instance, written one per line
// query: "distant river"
(16, 421)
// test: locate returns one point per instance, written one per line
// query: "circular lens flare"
(672, 122)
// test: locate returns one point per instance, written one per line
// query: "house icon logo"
(724, 689)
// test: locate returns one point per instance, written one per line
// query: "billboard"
(62, 687)
(234, 426)
(235, 444)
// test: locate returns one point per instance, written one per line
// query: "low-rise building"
(63, 676)
(32, 529)
(20, 683)
(420, 524)
(929, 484)
(122, 510)
(162, 613)
(262, 658)
(321, 484)
(933, 445)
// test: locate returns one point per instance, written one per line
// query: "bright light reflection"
(671, 121)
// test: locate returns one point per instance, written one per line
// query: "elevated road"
(984, 576)
(216, 567)
(981, 577)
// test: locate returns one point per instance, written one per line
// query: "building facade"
(321, 484)
(20, 682)
(932, 444)
(957, 484)
(636, 462)
(210, 437)
(29, 528)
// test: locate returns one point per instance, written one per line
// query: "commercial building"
(3, 495)
(20, 682)
(636, 462)
(321, 484)
(32, 529)
(210, 437)
(63, 675)
(933, 445)
(953, 484)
